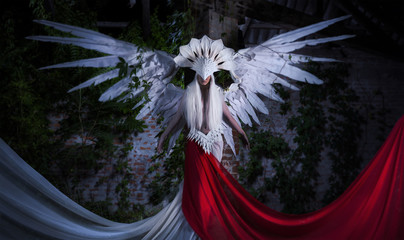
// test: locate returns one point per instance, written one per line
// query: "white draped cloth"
(32, 208)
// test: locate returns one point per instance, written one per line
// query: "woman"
(203, 107)
(215, 206)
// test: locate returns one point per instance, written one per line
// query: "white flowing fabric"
(32, 208)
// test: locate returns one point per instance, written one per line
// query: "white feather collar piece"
(206, 141)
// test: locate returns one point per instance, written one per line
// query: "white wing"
(257, 68)
(157, 68)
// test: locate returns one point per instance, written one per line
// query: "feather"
(290, 47)
(248, 108)
(182, 61)
(205, 46)
(117, 47)
(77, 31)
(195, 48)
(116, 90)
(97, 80)
(228, 136)
(139, 103)
(216, 47)
(285, 84)
(279, 66)
(297, 58)
(108, 61)
(136, 91)
(186, 51)
(256, 102)
(233, 112)
(173, 139)
(240, 111)
(253, 69)
(302, 32)
(144, 111)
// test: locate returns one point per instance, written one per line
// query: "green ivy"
(29, 96)
(169, 172)
(329, 117)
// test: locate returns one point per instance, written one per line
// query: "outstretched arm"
(235, 125)
(171, 126)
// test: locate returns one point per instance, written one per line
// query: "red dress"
(214, 205)
(217, 207)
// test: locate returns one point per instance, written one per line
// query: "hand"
(160, 145)
(246, 143)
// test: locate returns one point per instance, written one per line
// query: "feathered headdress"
(206, 56)
(253, 69)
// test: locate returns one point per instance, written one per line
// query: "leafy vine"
(327, 119)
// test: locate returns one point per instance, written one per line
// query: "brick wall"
(369, 72)
(139, 160)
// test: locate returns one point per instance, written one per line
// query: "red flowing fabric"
(217, 207)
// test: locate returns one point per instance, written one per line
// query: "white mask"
(206, 56)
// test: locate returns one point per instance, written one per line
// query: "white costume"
(32, 208)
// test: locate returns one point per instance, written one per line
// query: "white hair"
(193, 105)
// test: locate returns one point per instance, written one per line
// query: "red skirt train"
(218, 207)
